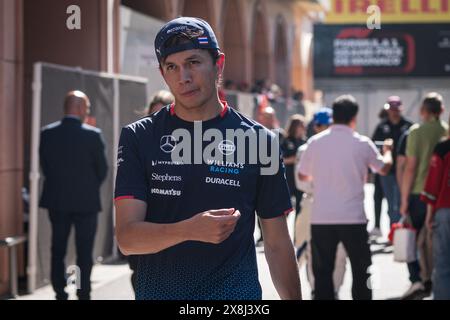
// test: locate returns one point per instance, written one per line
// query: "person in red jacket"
(437, 195)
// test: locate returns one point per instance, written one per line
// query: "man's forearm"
(387, 159)
(399, 170)
(408, 178)
(284, 270)
(289, 160)
(146, 237)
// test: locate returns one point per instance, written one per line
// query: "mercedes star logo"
(168, 143)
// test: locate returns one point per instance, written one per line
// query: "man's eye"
(194, 62)
(170, 67)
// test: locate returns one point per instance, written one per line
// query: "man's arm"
(136, 236)
(280, 256)
(400, 169)
(289, 160)
(387, 157)
(408, 179)
(101, 165)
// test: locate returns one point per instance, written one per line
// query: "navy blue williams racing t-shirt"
(177, 190)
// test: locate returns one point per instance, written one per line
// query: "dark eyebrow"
(194, 56)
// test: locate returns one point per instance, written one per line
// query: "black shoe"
(61, 296)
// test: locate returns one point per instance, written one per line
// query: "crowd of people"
(172, 217)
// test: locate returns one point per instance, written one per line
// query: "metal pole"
(34, 177)
(116, 128)
(13, 270)
(110, 36)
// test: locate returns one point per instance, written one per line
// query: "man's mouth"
(189, 93)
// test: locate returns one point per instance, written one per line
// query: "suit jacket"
(73, 161)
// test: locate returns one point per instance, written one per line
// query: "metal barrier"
(11, 243)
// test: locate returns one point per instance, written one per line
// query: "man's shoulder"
(362, 138)
(91, 129)
(50, 127)
(414, 129)
(241, 121)
(382, 123)
(320, 137)
(147, 123)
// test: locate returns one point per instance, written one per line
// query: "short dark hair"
(345, 108)
(181, 39)
(433, 102)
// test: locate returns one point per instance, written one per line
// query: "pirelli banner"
(394, 50)
(390, 11)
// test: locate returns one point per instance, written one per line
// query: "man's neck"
(395, 120)
(204, 112)
(430, 118)
(73, 116)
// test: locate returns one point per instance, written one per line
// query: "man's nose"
(184, 76)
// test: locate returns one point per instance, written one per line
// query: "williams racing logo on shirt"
(217, 166)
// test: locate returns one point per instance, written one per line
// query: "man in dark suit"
(73, 162)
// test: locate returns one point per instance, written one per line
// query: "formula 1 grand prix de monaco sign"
(394, 50)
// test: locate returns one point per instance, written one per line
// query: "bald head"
(268, 118)
(77, 104)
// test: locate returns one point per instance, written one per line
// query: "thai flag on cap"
(202, 40)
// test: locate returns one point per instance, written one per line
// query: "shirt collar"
(71, 116)
(222, 113)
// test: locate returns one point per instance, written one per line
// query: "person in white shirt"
(336, 160)
(321, 121)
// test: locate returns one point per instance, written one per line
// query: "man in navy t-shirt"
(190, 179)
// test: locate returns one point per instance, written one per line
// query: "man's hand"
(388, 145)
(404, 208)
(213, 226)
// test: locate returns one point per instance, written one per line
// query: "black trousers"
(324, 241)
(377, 199)
(85, 229)
(417, 213)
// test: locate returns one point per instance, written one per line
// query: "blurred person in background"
(295, 137)
(336, 162)
(72, 156)
(322, 120)
(437, 195)
(420, 143)
(392, 127)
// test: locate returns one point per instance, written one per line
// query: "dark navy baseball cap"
(196, 29)
(323, 117)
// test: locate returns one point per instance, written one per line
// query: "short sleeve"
(374, 157)
(401, 148)
(131, 181)
(273, 199)
(411, 144)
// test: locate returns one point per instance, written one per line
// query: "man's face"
(267, 119)
(192, 77)
(394, 112)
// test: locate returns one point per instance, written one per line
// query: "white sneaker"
(415, 288)
(375, 233)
